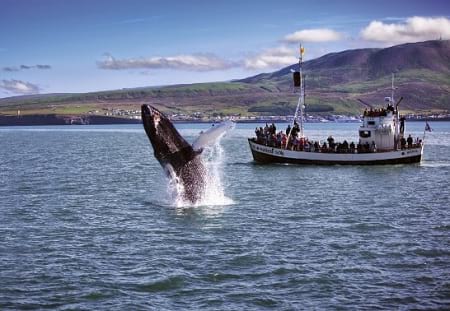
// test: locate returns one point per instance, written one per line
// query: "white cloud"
(271, 58)
(19, 87)
(412, 30)
(196, 62)
(314, 35)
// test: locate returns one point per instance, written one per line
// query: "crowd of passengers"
(270, 137)
(382, 112)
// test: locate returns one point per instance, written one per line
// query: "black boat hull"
(266, 154)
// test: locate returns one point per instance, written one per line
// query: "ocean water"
(89, 221)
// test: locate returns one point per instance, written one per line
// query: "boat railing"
(382, 112)
(340, 148)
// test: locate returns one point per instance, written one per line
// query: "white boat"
(267, 154)
(381, 139)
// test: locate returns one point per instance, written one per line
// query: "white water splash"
(214, 193)
(175, 188)
(435, 164)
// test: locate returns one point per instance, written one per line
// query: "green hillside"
(334, 82)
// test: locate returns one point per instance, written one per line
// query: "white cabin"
(378, 127)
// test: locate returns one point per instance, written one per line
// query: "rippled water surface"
(87, 222)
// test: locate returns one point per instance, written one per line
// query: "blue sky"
(51, 46)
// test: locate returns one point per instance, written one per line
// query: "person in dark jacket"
(409, 141)
(403, 142)
(402, 125)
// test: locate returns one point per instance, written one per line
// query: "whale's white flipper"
(211, 135)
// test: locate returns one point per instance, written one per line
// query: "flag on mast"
(427, 127)
(302, 50)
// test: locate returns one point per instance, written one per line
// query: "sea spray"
(175, 188)
(213, 158)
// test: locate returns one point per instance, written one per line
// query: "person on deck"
(296, 127)
(402, 125)
(301, 143)
(307, 146)
(403, 143)
(409, 141)
(330, 140)
(283, 141)
(345, 146)
(294, 132)
(352, 147)
(316, 146)
(294, 143)
(279, 135)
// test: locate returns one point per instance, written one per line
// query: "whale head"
(174, 153)
(165, 139)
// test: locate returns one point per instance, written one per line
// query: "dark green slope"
(334, 82)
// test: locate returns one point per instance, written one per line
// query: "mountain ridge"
(334, 82)
(392, 59)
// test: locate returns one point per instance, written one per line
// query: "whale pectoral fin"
(212, 135)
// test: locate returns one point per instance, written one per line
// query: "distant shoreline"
(51, 119)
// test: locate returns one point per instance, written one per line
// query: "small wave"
(286, 270)
(249, 163)
(166, 284)
(435, 164)
(157, 204)
(220, 277)
(96, 296)
(370, 227)
(442, 228)
(431, 253)
(265, 302)
(247, 260)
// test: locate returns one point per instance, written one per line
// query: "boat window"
(364, 134)
(371, 122)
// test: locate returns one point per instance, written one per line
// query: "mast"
(301, 100)
(392, 90)
(397, 117)
(302, 92)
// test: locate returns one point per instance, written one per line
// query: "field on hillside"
(334, 83)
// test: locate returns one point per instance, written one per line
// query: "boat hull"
(266, 154)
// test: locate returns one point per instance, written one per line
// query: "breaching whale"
(180, 160)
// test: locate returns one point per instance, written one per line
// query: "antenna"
(365, 103)
(398, 103)
(392, 89)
